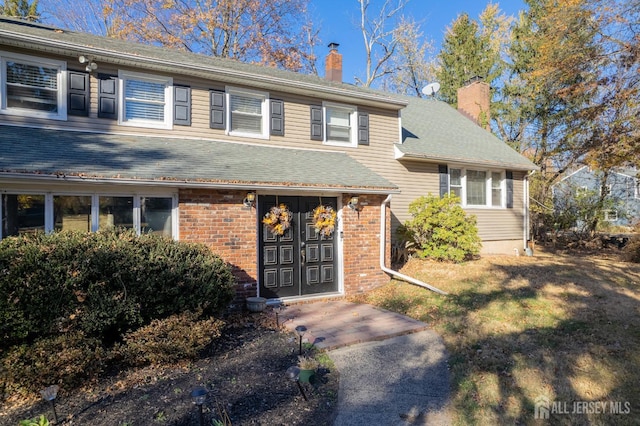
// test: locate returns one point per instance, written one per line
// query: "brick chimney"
(333, 64)
(473, 101)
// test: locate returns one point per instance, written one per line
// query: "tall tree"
(276, 33)
(21, 9)
(472, 49)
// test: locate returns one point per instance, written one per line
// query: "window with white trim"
(340, 128)
(32, 86)
(25, 212)
(248, 112)
(478, 188)
(146, 100)
(610, 215)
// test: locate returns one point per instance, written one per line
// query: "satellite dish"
(431, 89)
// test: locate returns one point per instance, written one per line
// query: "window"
(146, 101)
(23, 213)
(610, 215)
(455, 182)
(340, 125)
(72, 213)
(32, 87)
(116, 212)
(478, 188)
(155, 215)
(247, 113)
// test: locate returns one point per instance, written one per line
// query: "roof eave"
(233, 76)
(13, 177)
(463, 161)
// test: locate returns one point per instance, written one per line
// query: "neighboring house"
(98, 132)
(622, 187)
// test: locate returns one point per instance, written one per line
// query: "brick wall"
(219, 219)
(361, 245)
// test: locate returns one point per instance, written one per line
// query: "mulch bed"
(244, 372)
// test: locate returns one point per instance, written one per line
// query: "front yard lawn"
(560, 331)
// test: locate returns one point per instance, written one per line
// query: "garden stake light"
(49, 394)
(199, 395)
(293, 373)
(300, 330)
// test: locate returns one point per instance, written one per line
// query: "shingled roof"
(434, 131)
(72, 155)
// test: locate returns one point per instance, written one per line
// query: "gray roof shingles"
(144, 158)
(435, 131)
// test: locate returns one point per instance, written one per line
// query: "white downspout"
(383, 243)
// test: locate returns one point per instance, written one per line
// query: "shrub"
(103, 284)
(440, 229)
(168, 340)
(66, 360)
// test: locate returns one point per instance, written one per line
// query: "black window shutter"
(509, 175)
(78, 93)
(317, 125)
(107, 96)
(182, 105)
(363, 128)
(277, 117)
(443, 172)
(217, 117)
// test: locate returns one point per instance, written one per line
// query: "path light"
(278, 308)
(199, 396)
(300, 330)
(49, 394)
(292, 374)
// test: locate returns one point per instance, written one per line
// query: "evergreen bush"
(440, 229)
(104, 284)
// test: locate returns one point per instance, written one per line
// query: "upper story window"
(247, 113)
(32, 86)
(146, 101)
(478, 188)
(340, 125)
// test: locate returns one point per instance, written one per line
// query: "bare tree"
(413, 68)
(379, 36)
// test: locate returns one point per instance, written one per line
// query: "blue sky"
(338, 20)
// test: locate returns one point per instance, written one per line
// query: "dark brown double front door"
(300, 262)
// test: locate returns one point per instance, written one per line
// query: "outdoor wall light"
(91, 65)
(49, 394)
(354, 203)
(199, 396)
(250, 199)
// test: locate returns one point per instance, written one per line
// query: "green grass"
(516, 328)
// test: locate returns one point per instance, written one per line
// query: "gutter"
(396, 274)
(22, 177)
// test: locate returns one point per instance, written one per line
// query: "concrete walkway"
(393, 369)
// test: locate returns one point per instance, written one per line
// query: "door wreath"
(278, 219)
(324, 220)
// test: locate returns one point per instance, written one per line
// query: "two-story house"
(98, 132)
